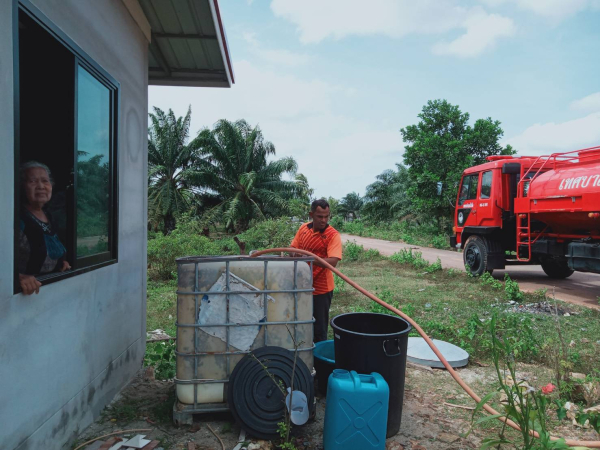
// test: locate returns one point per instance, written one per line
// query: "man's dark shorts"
(321, 305)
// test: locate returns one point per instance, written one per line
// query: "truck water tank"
(356, 411)
(564, 197)
(228, 306)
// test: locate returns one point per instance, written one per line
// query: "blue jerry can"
(356, 411)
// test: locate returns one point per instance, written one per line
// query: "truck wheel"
(475, 255)
(556, 267)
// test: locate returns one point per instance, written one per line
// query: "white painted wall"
(66, 352)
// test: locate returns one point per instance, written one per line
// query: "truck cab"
(484, 219)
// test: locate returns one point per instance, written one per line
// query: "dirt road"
(579, 288)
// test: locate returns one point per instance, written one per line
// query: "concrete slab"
(419, 352)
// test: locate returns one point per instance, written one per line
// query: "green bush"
(161, 356)
(352, 251)
(270, 233)
(356, 227)
(164, 250)
(337, 222)
(406, 256)
(435, 267)
(488, 280)
(440, 241)
(511, 288)
(355, 252)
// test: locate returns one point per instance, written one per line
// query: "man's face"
(320, 217)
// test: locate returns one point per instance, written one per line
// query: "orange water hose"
(454, 373)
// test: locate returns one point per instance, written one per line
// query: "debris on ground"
(427, 422)
(157, 335)
(586, 392)
(135, 443)
(543, 307)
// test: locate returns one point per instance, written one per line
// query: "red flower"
(548, 388)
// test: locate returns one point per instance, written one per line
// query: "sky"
(332, 82)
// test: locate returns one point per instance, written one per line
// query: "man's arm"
(333, 261)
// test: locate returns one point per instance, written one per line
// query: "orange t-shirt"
(325, 244)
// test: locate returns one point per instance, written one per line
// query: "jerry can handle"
(397, 346)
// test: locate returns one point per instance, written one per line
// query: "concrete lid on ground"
(419, 352)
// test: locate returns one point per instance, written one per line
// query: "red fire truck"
(531, 210)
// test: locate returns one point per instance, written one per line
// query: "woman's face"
(38, 188)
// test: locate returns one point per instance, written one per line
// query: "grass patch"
(454, 307)
(448, 304)
(161, 306)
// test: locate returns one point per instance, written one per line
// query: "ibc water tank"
(228, 306)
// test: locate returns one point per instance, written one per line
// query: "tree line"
(224, 175)
(228, 174)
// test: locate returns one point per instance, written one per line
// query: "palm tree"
(387, 197)
(300, 206)
(236, 173)
(170, 166)
(350, 206)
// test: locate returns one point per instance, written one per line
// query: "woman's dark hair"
(322, 203)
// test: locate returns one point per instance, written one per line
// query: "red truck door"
(466, 213)
(485, 210)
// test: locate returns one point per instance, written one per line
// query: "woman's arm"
(29, 284)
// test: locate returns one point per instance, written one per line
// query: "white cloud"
(284, 57)
(250, 37)
(274, 56)
(591, 103)
(556, 10)
(483, 31)
(547, 138)
(317, 20)
(298, 116)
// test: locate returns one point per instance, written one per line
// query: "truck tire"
(475, 255)
(556, 268)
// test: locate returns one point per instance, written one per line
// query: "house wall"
(66, 352)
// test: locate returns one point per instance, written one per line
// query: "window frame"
(82, 59)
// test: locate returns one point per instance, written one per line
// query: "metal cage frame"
(185, 415)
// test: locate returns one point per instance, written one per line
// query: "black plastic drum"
(369, 342)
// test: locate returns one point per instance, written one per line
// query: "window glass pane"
(468, 190)
(473, 187)
(464, 190)
(93, 164)
(486, 185)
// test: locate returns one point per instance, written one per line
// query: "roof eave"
(222, 39)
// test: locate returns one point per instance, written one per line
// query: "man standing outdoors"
(324, 241)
